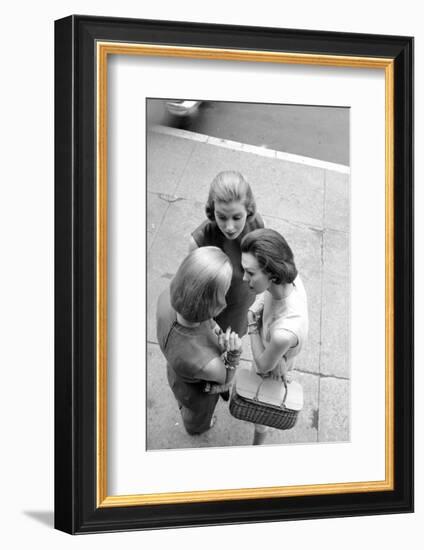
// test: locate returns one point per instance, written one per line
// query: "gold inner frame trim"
(103, 49)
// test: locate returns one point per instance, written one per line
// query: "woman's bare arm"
(267, 357)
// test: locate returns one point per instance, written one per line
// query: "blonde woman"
(201, 359)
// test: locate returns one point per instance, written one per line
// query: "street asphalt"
(311, 130)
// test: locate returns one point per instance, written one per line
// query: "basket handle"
(283, 404)
(257, 391)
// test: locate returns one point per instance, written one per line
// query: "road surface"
(312, 131)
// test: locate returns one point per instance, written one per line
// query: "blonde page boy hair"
(199, 287)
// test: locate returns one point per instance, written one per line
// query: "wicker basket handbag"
(265, 401)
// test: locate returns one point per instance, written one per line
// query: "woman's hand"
(279, 372)
(232, 341)
(257, 309)
(288, 377)
(221, 338)
(255, 317)
(253, 323)
(229, 341)
(251, 317)
(275, 373)
(233, 352)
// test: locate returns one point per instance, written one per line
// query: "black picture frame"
(76, 483)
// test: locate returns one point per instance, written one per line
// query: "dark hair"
(199, 287)
(272, 253)
(227, 187)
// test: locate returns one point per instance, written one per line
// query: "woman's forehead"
(249, 261)
(229, 208)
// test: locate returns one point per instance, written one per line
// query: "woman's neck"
(279, 292)
(184, 322)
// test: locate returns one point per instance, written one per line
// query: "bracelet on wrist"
(252, 328)
(230, 366)
(231, 361)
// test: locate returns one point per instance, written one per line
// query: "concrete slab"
(290, 191)
(163, 417)
(165, 429)
(337, 201)
(205, 163)
(156, 208)
(171, 244)
(335, 306)
(336, 254)
(282, 189)
(166, 159)
(246, 353)
(170, 248)
(334, 401)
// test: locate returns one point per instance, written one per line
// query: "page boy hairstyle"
(199, 287)
(227, 187)
(272, 253)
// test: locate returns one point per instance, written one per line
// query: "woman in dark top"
(201, 359)
(231, 213)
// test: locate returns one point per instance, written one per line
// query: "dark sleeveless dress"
(187, 350)
(239, 296)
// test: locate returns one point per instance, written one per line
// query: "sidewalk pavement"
(307, 204)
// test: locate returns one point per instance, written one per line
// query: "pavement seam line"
(294, 223)
(302, 371)
(185, 168)
(252, 149)
(320, 310)
(158, 225)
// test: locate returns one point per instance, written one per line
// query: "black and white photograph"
(248, 274)
(209, 256)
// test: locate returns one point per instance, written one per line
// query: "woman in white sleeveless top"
(278, 323)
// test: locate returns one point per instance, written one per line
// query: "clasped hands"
(229, 341)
